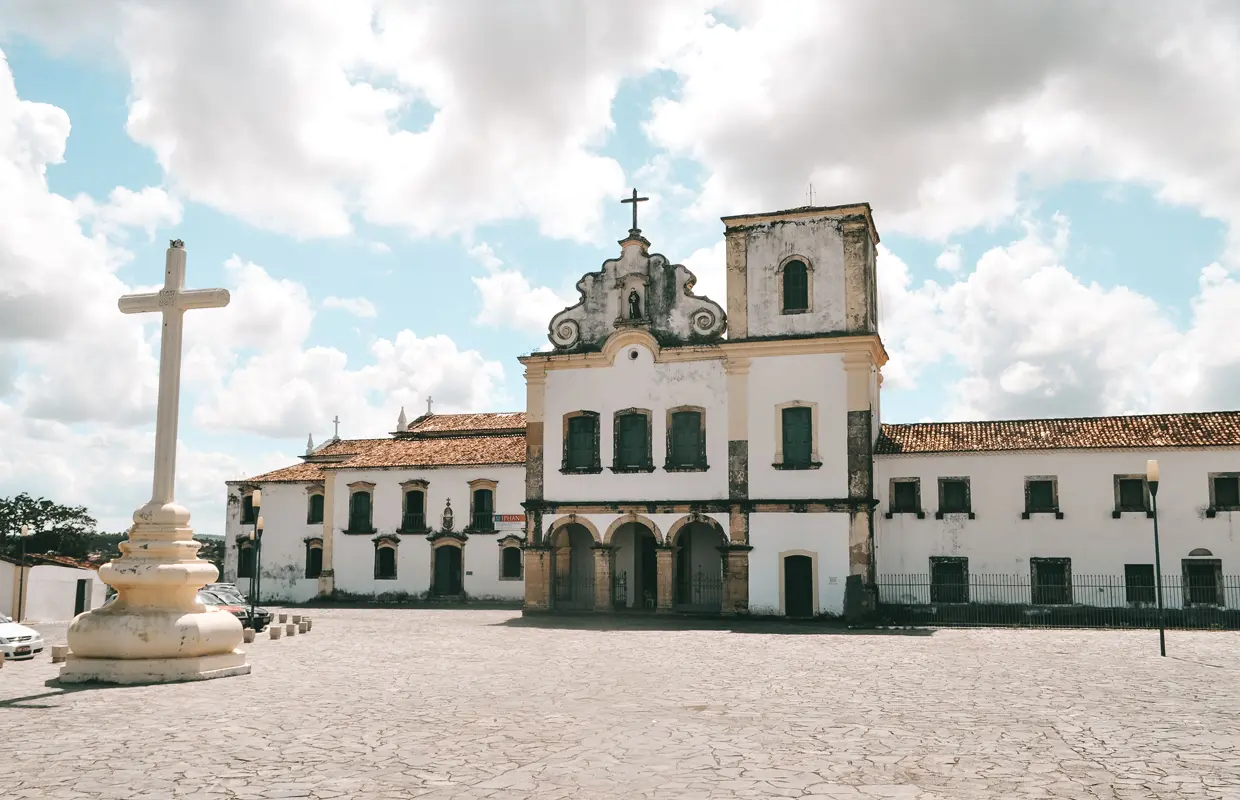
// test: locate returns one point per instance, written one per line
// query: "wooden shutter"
(581, 442)
(632, 441)
(796, 286)
(798, 436)
(359, 516)
(686, 438)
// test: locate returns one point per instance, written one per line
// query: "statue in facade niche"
(447, 516)
(635, 305)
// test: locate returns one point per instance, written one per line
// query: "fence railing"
(700, 591)
(1059, 600)
(574, 591)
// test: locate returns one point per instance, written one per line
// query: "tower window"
(795, 287)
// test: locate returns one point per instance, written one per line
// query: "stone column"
(736, 580)
(736, 244)
(663, 556)
(537, 578)
(602, 577)
(858, 368)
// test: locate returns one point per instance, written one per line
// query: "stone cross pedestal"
(156, 631)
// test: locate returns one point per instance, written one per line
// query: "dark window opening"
(245, 562)
(1201, 582)
(1131, 494)
(1040, 496)
(796, 286)
(247, 510)
(949, 580)
(581, 449)
(632, 441)
(1052, 581)
(1227, 492)
(385, 563)
(314, 514)
(1139, 583)
(798, 436)
(414, 518)
(687, 446)
(359, 512)
(905, 497)
(484, 509)
(511, 566)
(954, 496)
(314, 562)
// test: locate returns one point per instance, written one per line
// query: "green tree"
(68, 530)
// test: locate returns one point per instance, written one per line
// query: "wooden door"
(798, 586)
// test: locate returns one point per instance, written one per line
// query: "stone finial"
(447, 516)
(402, 423)
(309, 444)
(177, 243)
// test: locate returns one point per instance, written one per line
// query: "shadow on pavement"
(675, 622)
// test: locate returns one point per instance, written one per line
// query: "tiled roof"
(1210, 429)
(466, 423)
(456, 451)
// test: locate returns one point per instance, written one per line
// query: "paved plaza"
(472, 704)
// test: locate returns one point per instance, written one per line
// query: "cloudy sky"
(399, 194)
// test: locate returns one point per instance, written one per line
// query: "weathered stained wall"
(284, 510)
(998, 541)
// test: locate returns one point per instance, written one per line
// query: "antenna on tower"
(809, 196)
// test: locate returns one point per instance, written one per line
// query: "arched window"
(314, 509)
(632, 441)
(510, 563)
(795, 285)
(314, 558)
(385, 560)
(686, 439)
(482, 498)
(245, 560)
(581, 442)
(361, 507)
(413, 520)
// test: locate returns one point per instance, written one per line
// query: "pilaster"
(535, 392)
(736, 580)
(663, 558)
(736, 243)
(737, 371)
(537, 578)
(858, 278)
(858, 368)
(327, 577)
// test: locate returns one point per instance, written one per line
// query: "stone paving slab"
(487, 704)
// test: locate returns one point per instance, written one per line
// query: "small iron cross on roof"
(635, 200)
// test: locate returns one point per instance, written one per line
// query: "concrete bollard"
(290, 629)
(276, 630)
(59, 653)
(283, 618)
(247, 634)
(309, 623)
(303, 627)
(296, 618)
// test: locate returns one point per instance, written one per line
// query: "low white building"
(662, 465)
(48, 589)
(433, 510)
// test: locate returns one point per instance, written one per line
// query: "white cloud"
(357, 306)
(149, 209)
(885, 102)
(508, 298)
(1035, 340)
(297, 117)
(950, 259)
(708, 265)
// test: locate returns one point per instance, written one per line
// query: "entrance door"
(447, 570)
(648, 587)
(83, 591)
(798, 586)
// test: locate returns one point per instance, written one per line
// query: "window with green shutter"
(796, 287)
(632, 442)
(687, 447)
(359, 512)
(798, 436)
(314, 514)
(581, 444)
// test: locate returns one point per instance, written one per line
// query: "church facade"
(677, 454)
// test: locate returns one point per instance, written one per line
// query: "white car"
(18, 642)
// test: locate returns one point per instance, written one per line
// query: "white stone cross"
(172, 301)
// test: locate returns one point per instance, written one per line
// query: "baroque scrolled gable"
(637, 290)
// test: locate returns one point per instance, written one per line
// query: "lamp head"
(1151, 475)
(256, 499)
(258, 526)
(25, 529)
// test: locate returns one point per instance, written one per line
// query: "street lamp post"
(1151, 478)
(256, 545)
(21, 575)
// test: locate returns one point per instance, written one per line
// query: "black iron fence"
(574, 590)
(620, 590)
(700, 591)
(1061, 601)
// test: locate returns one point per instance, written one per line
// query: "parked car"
(230, 594)
(221, 600)
(17, 642)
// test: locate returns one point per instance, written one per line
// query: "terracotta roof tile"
(1210, 429)
(463, 423)
(454, 451)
